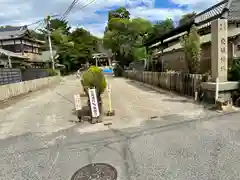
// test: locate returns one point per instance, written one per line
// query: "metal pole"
(49, 41)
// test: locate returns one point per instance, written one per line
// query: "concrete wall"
(175, 60)
(11, 90)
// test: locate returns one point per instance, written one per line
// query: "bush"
(94, 78)
(192, 50)
(234, 70)
(52, 72)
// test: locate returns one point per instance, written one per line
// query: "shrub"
(94, 78)
(192, 50)
(234, 70)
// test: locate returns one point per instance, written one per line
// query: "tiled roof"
(11, 54)
(100, 55)
(234, 10)
(45, 56)
(229, 9)
(211, 12)
(203, 39)
(204, 18)
(12, 32)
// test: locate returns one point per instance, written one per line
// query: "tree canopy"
(123, 35)
(74, 48)
(186, 18)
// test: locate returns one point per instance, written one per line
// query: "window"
(238, 47)
(181, 58)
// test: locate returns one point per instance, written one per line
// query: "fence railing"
(13, 75)
(8, 76)
(183, 83)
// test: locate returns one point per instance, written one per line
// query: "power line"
(40, 24)
(69, 9)
(40, 20)
(73, 4)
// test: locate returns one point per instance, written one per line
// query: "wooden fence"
(183, 83)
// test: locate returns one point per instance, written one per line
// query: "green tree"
(75, 48)
(119, 13)
(192, 50)
(57, 24)
(162, 27)
(85, 44)
(186, 18)
(122, 35)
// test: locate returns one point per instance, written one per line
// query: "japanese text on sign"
(223, 49)
(77, 102)
(222, 27)
(93, 102)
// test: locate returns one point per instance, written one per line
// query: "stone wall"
(12, 90)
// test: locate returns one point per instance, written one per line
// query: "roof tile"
(212, 12)
(12, 32)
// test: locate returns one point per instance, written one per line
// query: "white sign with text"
(77, 102)
(93, 102)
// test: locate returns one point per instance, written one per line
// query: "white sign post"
(93, 103)
(77, 102)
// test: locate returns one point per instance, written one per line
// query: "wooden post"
(9, 62)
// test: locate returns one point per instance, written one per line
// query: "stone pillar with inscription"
(219, 56)
(219, 63)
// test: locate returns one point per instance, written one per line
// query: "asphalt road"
(145, 141)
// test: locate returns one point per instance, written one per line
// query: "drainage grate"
(96, 171)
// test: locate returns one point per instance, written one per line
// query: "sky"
(92, 15)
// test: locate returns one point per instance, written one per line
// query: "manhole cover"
(97, 171)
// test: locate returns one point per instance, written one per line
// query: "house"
(167, 48)
(20, 43)
(9, 58)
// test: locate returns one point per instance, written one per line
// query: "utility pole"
(49, 40)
